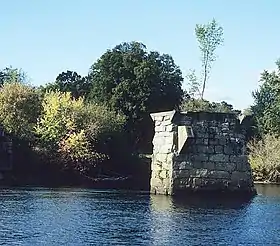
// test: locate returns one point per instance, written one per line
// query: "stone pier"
(199, 151)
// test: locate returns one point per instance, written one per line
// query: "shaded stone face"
(199, 151)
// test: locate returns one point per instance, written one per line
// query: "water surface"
(34, 216)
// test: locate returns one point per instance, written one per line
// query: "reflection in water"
(196, 219)
(198, 201)
(90, 217)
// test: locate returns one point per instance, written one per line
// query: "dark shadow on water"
(213, 201)
(161, 202)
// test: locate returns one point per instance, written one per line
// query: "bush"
(102, 123)
(60, 116)
(194, 105)
(76, 150)
(264, 157)
(70, 130)
(20, 106)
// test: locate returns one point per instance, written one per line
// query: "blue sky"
(46, 37)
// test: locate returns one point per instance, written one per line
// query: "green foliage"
(76, 149)
(101, 123)
(195, 105)
(19, 108)
(11, 75)
(136, 82)
(209, 37)
(264, 157)
(247, 111)
(60, 116)
(266, 108)
(194, 85)
(69, 129)
(69, 81)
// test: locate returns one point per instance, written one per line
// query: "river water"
(35, 216)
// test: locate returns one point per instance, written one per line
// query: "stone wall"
(199, 151)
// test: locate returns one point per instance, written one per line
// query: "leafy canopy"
(60, 115)
(19, 108)
(69, 81)
(191, 104)
(11, 75)
(69, 129)
(266, 107)
(209, 37)
(135, 81)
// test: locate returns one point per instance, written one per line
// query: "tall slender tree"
(209, 37)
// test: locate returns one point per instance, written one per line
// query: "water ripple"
(30, 216)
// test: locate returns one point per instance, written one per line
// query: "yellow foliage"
(19, 108)
(264, 158)
(59, 117)
(77, 148)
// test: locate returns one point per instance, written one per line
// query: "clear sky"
(46, 37)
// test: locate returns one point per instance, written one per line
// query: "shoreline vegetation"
(84, 127)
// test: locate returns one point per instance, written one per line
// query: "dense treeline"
(264, 149)
(93, 125)
(99, 124)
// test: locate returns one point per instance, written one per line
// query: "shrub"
(75, 149)
(264, 157)
(20, 106)
(102, 123)
(60, 116)
(192, 104)
(70, 130)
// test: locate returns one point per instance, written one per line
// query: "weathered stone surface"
(158, 141)
(229, 150)
(219, 149)
(219, 158)
(197, 164)
(159, 118)
(243, 166)
(183, 165)
(169, 128)
(225, 166)
(219, 174)
(209, 165)
(240, 175)
(163, 174)
(238, 159)
(213, 141)
(156, 182)
(205, 149)
(202, 134)
(157, 123)
(199, 157)
(197, 182)
(166, 123)
(201, 141)
(160, 128)
(164, 134)
(202, 172)
(167, 148)
(213, 158)
(181, 173)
